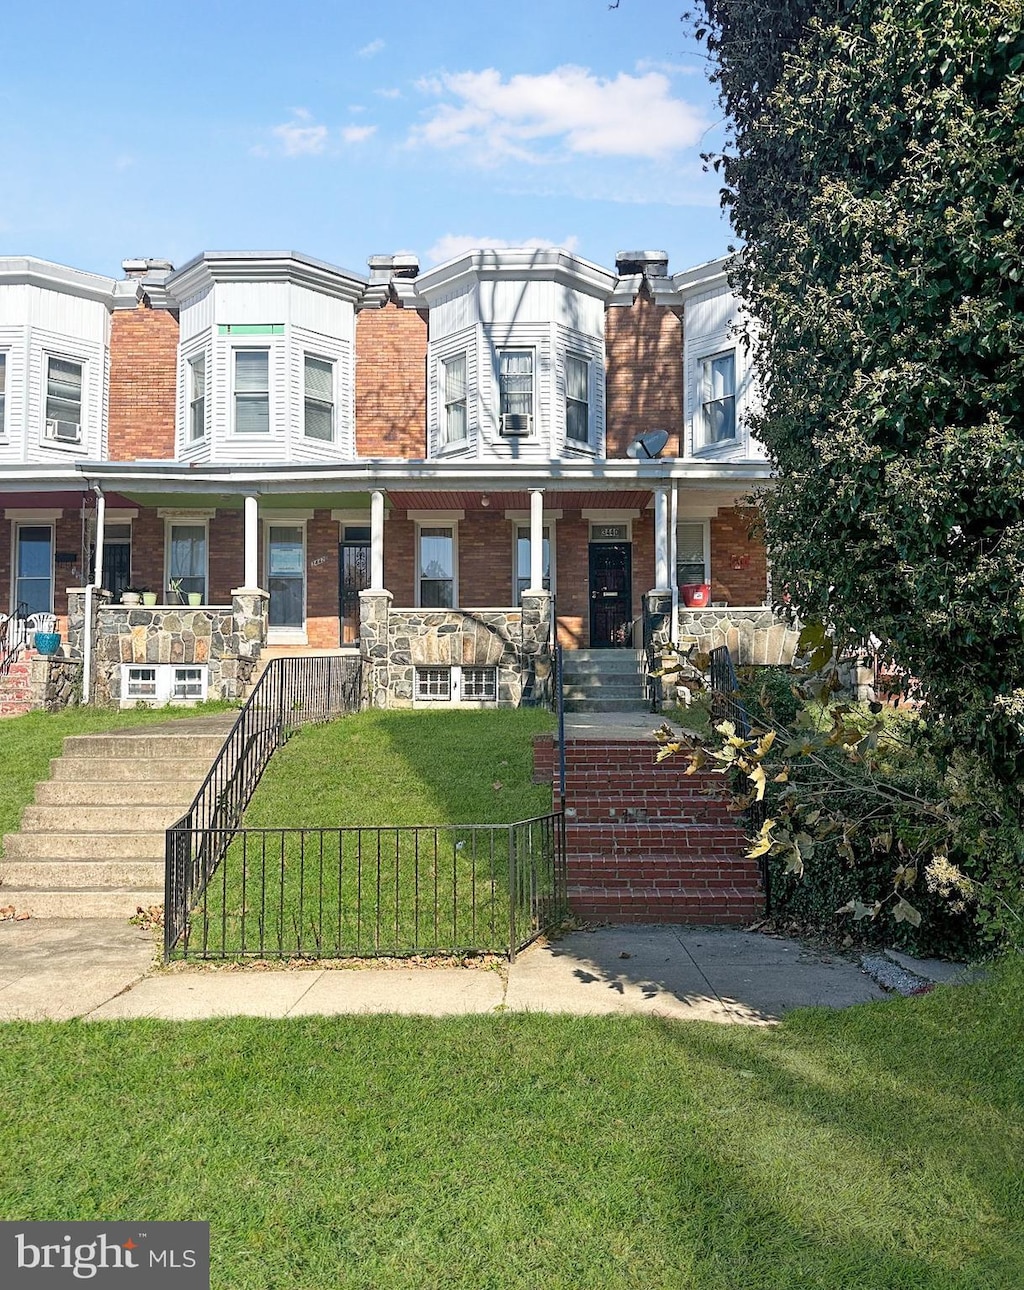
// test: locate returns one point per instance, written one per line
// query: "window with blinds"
(197, 397)
(3, 393)
(252, 391)
(455, 425)
(690, 558)
(318, 416)
(577, 398)
(718, 398)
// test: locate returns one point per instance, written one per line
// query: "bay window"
(252, 391)
(455, 423)
(515, 391)
(64, 400)
(577, 399)
(196, 397)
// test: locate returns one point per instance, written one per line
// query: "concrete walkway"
(103, 969)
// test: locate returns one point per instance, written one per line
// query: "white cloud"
(521, 118)
(374, 47)
(389, 93)
(357, 133)
(454, 244)
(301, 136)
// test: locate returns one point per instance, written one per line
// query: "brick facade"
(644, 374)
(143, 384)
(739, 563)
(391, 386)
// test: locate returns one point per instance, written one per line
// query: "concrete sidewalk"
(103, 969)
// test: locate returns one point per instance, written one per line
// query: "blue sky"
(349, 129)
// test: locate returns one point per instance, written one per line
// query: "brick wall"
(646, 843)
(143, 383)
(644, 381)
(323, 625)
(739, 565)
(485, 560)
(391, 395)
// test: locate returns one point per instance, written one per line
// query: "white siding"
(710, 328)
(464, 341)
(454, 313)
(590, 347)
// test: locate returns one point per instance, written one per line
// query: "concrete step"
(82, 902)
(627, 665)
(84, 846)
(190, 769)
(103, 792)
(144, 816)
(93, 874)
(605, 705)
(626, 688)
(202, 747)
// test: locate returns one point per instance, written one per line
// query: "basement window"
(163, 683)
(140, 683)
(434, 683)
(480, 684)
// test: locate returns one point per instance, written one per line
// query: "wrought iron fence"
(292, 692)
(725, 702)
(366, 892)
(13, 636)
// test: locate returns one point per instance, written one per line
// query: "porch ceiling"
(518, 501)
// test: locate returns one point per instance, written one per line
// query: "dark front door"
(611, 593)
(353, 577)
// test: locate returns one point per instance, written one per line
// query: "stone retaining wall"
(753, 636)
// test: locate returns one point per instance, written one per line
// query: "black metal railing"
(369, 892)
(726, 704)
(292, 692)
(13, 636)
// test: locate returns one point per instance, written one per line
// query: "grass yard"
(373, 884)
(877, 1148)
(28, 743)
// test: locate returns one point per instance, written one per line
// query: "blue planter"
(47, 642)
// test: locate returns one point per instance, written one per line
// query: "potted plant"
(175, 596)
(46, 638)
(131, 595)
(195, 597)
(148, 597)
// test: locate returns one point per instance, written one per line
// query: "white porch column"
(101, 524)
(536, 539)
(662, 580)
(250, 580)
(377, 540)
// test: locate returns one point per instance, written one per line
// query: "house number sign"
(610, 533)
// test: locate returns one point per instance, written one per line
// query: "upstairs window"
(718, 398)
(577, 399)
(197, 397)
(252, 391)
(515, 389)
(3, 393)
(453, 376)
(63, 400)
(318, 413)
(437, 568)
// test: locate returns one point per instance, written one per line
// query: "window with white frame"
(163, 683)
(186, 557)
(577, 399)
(455, 425)
(318, 408)
(197, 397)
(63, 400)
(515, 391)
(252, 391)
(434, 683)
(523, 559)
(691, 553)
(436, 566)
(718, 397)
(479, 684)
(3, 393)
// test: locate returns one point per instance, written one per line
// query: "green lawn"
(28, 743)
(372, 883)
(878, 1148)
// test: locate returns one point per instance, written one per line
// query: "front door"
(286, 579)
(353, 577)
(611, 593)
(33, 582)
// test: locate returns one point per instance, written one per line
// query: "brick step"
(83, 846)
(82, 902)
(188, 769)
(14, 709)
(143, 816)
(734, 907)
(104, 792)
(98, 875)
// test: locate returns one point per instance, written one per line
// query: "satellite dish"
(648, 444)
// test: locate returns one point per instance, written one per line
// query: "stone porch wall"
(754, 636)
(395, 641)
(227, 640)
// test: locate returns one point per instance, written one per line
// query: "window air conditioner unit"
(516, 424)
(64, 431)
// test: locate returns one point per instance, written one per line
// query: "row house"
(445, 470)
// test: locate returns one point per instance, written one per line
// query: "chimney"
(652, 264)
(143, 268)
(383, 268)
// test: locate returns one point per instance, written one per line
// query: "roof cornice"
(26, 270)
(518, 264)
(213, 267)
